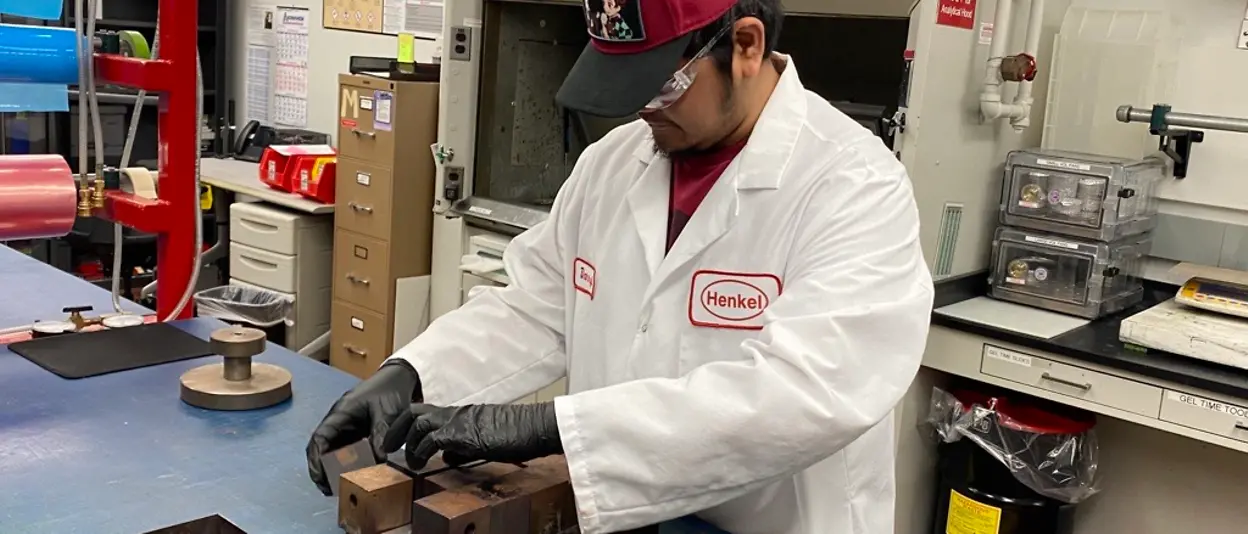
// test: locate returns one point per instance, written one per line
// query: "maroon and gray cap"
(635, 47)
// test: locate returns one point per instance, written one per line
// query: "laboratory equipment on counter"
(1214, 295)
(237, 383)
(1080, 195)
(1207, 319)
(1077, 277)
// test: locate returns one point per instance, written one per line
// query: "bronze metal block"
(534, 500)
(353, 457)
(451, 511)
(374, 500)
(453, 478)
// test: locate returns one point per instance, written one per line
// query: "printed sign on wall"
(956, 13)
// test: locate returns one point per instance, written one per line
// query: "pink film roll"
(38, 198)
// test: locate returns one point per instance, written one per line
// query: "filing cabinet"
(383, 221)
(287, 252)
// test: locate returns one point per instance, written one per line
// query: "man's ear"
(749, 41)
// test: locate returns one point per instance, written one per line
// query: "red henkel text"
(739, 302)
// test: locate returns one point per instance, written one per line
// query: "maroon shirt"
(692, 178)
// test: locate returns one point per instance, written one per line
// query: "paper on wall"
(423, 18)
(290, 103)
(393, 14)
(259, 88)
(261, 59)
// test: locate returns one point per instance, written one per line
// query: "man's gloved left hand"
(495, 432)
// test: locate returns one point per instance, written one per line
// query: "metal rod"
(237, 369)
(1185, 120)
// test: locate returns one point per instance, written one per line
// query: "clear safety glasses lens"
(680, 82)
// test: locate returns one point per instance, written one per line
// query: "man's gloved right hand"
(364, 412)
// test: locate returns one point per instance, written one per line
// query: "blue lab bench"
(121, 453)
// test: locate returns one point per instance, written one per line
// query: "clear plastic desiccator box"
(1077, 277)
(1080, 195)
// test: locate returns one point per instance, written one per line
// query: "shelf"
(128, 24)
(119, 96)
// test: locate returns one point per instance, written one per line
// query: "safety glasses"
(680, 82)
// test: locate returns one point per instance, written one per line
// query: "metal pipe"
(1185, 120)
(237, 369)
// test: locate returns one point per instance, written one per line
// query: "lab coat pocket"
(702, 345)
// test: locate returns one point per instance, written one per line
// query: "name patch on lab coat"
(720, 299)
(583, 277)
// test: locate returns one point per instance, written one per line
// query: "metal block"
(213, 524)
(358, 455)
(536, 499)
(375, 500)
(455, 478)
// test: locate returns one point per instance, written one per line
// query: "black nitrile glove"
(509, 433)
(364, 412)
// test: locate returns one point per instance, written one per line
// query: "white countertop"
(243, 177)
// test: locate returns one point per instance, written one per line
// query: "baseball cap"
(635, 46)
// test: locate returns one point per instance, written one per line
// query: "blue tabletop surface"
(31, 290)
(121, 453)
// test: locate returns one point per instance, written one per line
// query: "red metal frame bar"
(172, 215)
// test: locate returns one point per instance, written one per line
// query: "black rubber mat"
(109, 351)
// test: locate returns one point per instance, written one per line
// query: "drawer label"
(382, 115)
(1006, 355)
(1051, 242)
(357, 323)
(1206, 404)
(1068, 165)
(366, 103)
(363, 178)
(361, 252)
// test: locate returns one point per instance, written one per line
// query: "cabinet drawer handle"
(355, 351)
(362, 133)
(1064, 382)
(357, 280)
(257, 226)
(258, 264)
(359, 208)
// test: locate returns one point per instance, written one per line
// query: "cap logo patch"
(616, 21)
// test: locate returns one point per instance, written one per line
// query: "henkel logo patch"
(720, 299)
(583, 277)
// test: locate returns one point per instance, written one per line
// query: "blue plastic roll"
(38, 54)
(38, 9)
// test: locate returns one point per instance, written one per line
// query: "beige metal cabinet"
(383, 214)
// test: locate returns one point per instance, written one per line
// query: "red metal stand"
(172, 215)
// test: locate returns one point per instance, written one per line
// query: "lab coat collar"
(767, 155)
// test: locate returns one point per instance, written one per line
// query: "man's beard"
(726, 109)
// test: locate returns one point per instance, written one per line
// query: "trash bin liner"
(248, 305)
(1052, 451)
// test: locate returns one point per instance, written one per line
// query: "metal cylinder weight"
(237, 383)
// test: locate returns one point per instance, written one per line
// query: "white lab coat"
(749, 374)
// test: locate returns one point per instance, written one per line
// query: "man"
(733, 286)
